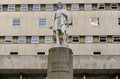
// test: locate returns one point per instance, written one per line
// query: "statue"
(60, 25)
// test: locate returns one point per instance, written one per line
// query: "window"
(109, 39)
(13, 53)
(2, 39)
(94, 6)
(5, 7)
(96, 39)
(101, 6)
(75, 6)
(17, 7)
(11, 7)
(36, 7)
(40, 53)
(42, 21)
(48, 39)
(22, 39)
(94, 21)
(75, 39)
(89, 39)
(97, 53)
(16, 22)
(8, 39)
(49, 7)
(24, 7)
(107, 6)
(28, 39)
(35, 39)
(103, 39)
(88, 6)
(114, 6)
(42, 39)
(69, 40)
(116, 38)
(82, 39)
(81, 6)
(30, 7)
(64, 6)
(15, 40)
(118, 21)
(68, 7)
(1, 7)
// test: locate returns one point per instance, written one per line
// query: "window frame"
(88, 39)
(95, 21)
(101, 7)
(118, 21)
(75, 39)
(16, 22)
(36, 8)
(35, 39)
(1, 7)
(49, 7)
(23, 39)
(50, 40)
(113, 7)
(22, 8)
(8, 39)
(116, 38)
(64, 6)
(11, 7)
(75, 7)
(101, 38)
(88, 7)
(41, 20)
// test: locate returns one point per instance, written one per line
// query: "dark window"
(102, 39)
(118, 21)
(97, 53)
(13, 53)
(40, 53)
(116, 38)
(75, 39)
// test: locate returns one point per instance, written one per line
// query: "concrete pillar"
(116, 77)
(60, 63)
(84, 77)
(21, 76)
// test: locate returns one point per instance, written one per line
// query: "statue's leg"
(57, 38)
(64, 38)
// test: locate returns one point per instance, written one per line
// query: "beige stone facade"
(95, 30)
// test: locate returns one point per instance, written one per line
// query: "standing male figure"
(60, 25)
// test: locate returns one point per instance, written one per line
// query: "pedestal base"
(60, 63)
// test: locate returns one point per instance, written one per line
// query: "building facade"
(25, 38)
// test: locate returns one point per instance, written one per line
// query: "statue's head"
(59, 5)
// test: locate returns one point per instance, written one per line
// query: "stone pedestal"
(60, 63)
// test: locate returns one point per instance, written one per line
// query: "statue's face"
(59, 5)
